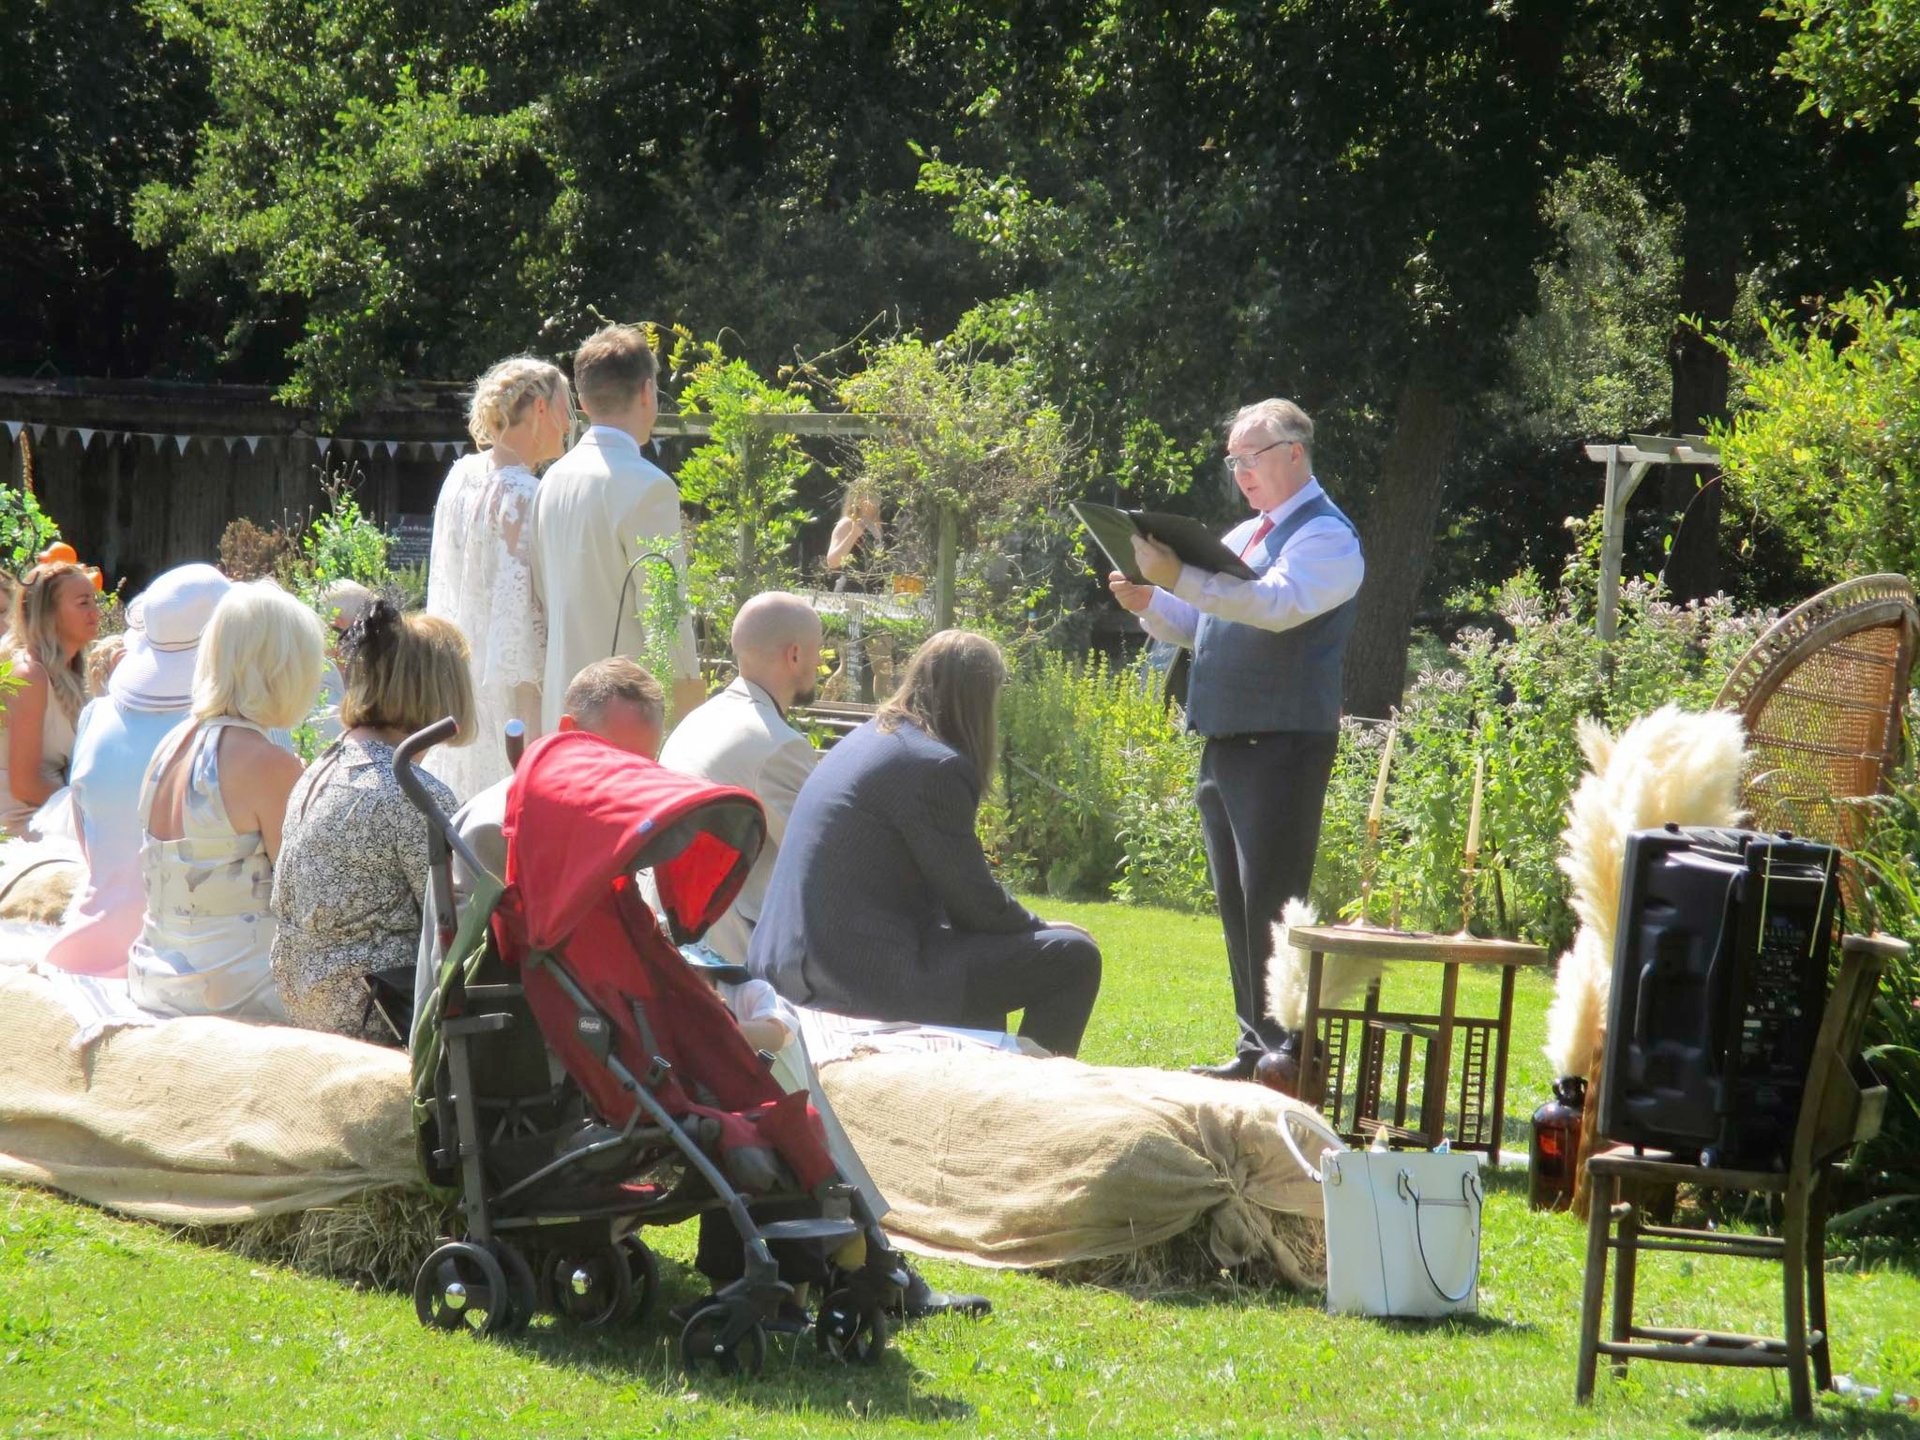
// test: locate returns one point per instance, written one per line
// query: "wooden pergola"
(1627, 465)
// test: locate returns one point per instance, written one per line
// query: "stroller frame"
(598, 1270)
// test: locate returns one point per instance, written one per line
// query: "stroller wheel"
(849, 1331)
(462, 1287)
(643, 1272)
(701, 1343)
(591, 1287)
(521, 1290)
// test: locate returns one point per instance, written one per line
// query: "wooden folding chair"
(1835, 1112)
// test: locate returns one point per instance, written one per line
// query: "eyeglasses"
(1236, 463)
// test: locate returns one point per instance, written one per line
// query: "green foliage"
(744, 479)
(342, 543)
(970, 453)
(1891, 861)
(1098, 784)
(663, 607)
(1514, 696)
(361, 169)
(25, 529)
(1857, 58)
(1827, 448)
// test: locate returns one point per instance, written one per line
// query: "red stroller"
(662, 1110)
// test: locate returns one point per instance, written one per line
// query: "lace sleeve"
(516, 640)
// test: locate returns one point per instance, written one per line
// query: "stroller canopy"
(582, 812)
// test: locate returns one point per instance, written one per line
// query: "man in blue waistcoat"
(1264, 689)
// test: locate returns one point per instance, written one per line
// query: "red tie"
(1266, 526)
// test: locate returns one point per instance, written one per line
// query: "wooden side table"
(1484, 1038)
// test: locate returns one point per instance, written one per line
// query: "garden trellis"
(1627, 465)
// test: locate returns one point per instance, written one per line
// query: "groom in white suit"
(602, 505)
(741, 737)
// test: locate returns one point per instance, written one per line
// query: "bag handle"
(1470, 1200)
(1316, 1128)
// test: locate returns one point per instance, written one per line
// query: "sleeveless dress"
(56, 749)
(208, 931)
(480, 577)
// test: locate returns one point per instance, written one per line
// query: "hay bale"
(375, 1239)
(1186, 1264)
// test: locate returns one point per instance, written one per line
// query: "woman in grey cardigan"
(882, 903)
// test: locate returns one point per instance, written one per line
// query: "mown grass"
(115, 1327)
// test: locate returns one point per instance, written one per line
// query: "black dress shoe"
(1238, 1068)
(921, 1300)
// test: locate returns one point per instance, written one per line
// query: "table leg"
(1312, 1087)
(1436, 1124)
(1500, 1035)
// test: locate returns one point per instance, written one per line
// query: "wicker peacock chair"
(1822, 693)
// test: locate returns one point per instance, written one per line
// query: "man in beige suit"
(601, 507)
(741, 737)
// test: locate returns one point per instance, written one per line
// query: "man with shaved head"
(741, 737)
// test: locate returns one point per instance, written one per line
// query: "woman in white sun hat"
(149, 692)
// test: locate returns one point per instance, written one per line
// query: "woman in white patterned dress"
(478, 577)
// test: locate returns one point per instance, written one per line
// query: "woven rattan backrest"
(1821, 693)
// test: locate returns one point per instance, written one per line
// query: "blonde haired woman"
(479, 576)
(213, 802)
(352, 880)
(55, 617)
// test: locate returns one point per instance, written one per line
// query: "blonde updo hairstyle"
(33, 629)
(504, 393)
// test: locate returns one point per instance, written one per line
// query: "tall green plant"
(744, 479)
(1827, 448)
(972, 455)
(342, 543)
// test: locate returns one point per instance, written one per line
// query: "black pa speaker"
(1719, 980)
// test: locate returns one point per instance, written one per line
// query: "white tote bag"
(1403, 1227)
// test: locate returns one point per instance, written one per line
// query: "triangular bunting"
(182, 441)
(230, 441)
(39, 432)
(392, 447)
(253, 443)
(322, 442)
(156, 440)
(14, 427)
(86, 438)
(440, 448)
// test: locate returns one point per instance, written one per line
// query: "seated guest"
(55, 617)
(351, 884)
(740, 736)
(147, 694)
(213, 800)
(882, 903)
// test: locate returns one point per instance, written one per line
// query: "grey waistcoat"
(1249, 681)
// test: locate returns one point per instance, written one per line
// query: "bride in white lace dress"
(520, 417)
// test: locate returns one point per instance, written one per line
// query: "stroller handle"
(408, 776)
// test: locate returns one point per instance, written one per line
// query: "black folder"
(1113, 529)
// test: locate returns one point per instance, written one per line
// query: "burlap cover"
(1011, 1161)
(196, 1121)
(988, 1157)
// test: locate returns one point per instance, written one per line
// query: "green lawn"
(113, 1327)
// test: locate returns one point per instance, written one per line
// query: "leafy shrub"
(342, 543)
(1516, 698)
(250, 552)
(1828, 450)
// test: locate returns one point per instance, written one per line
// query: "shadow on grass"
(797, 1376)
(1828, 1419)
